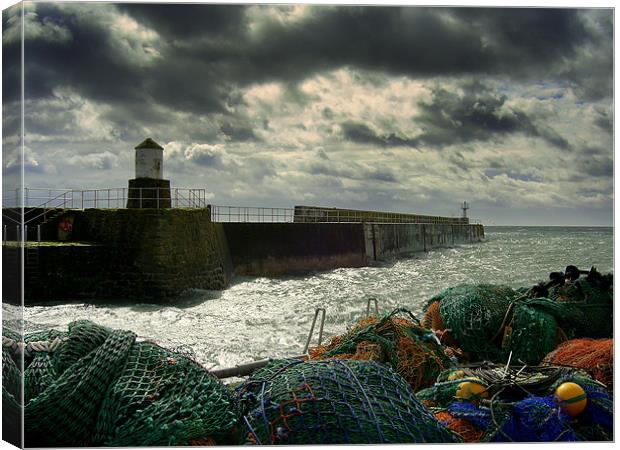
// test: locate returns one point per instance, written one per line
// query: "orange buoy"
(572, 398)
(471, 390)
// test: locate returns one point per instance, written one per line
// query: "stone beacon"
(149, 189)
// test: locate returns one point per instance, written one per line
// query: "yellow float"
(572, 398)
(472, 390)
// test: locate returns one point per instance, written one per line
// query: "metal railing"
(25, 234)
(105, 198)
(250, 214)
(318, 214)
(39, 202)
(257, 214)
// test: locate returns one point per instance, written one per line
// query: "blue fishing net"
(478, 416)
(536, 419)
(334, 402)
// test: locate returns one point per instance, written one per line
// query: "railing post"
(140, 194)
(95, 198)
(4, 235)
(39, 235)
(316, 315)
(157, 190)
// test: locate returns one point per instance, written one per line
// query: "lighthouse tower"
(149, 160)
(149, 189)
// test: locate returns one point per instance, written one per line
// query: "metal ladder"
(32, 275)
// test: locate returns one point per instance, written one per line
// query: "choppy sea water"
(270, 317)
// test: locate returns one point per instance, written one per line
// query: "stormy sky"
(404, 109)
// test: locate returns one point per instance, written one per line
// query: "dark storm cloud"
(362, 134)
(11, 59)
(604, 121)
(188, 21)
(88, 61)
(478, 114)
(597, 166)
(238, 132)
(208, 50)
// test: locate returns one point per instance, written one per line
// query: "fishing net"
(474, 314)
(536, 419)
(595, 356)
(592, 304)
(496, 323)
(432, 317)
(94, 386)
(11, 397)
(334, 402)
(412, 351)
(465, 429)
(521, 405)
(533, 331)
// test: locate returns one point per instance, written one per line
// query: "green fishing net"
(334, 402)
(592, 306)
(101, 387)
(474, 314)
(494, 323)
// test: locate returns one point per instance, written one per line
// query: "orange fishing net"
(432, 318)
(463, 428)
(410, 349)
(595, 356)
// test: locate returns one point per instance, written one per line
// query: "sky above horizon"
(406, 109)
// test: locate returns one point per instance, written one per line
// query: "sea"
(259, 317)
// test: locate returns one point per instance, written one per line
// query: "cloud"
(213, 156)
(596, 166)
(477, 113)
(95, 161)
(273, 104)
(361, 133)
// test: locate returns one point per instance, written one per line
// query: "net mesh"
(521, 406)
(412, 351)
(534, 331)
(334, 402)
(595, 356)
(494, 323)
(591, 303)
(101, 387)
(474, 314)
(464, 428)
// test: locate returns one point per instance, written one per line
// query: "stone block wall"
(137, 253)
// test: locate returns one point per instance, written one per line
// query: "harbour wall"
(159, 253)
(130, 253)
(273, 249)
(390, 240)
